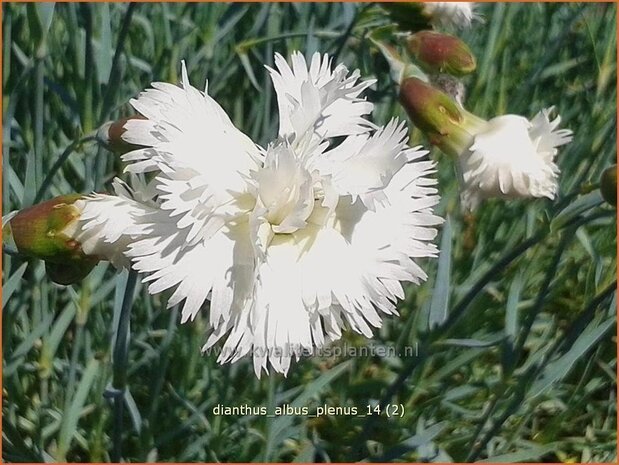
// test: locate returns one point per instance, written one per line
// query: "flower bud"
(441, 53)
(432, 111)
(608, 185)
(446, 123)
(110, 135)
(40, 231)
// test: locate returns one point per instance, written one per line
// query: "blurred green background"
(523, 368)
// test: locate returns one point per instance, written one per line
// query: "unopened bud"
(445, 122)
(608, 185)
(110, 135)
(431, 110)
(441, 53)
(40, 231)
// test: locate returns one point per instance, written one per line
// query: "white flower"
(291, 244)
(512, 157)
(506, 157)
(450, 14)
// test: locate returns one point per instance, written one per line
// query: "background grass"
(514, 329)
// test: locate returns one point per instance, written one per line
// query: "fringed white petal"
(544, 131)
(319, 280)
(221, 268)
(364, 165)
(318, 100)
(108, 224)
(203, 159)
(455, 15)
(512, 157)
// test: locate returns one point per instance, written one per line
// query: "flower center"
(285, 191)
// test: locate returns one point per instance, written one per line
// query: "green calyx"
(446, 124)
(39, 232)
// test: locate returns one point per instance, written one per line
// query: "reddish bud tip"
(110, 135)
(441, 53)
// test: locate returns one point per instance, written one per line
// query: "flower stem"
(39, 76)
(119, 357)
(115, 71)
(58, 164)
(535, 370)
(461, 308)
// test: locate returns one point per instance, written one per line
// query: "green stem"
(490, 275)
(115, 76)
(345, 36)
(499, 266)
(111, 90)
(515, 402)
(551, 273)
(119, 357)
(39, 76)
(534, 371)
(243, 47)
(462, 306)
(6, 136)
(87, 119)
(527, 324)
(80, 322)
(58, 164)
